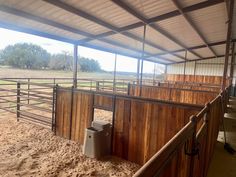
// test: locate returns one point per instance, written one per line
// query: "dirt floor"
(30, 150)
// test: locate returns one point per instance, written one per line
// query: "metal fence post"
(18, 102)
(193, 145)
(97, 85)
(28, 89)
(128, 92)
(53, 107)
(54, 111)
(71, 111)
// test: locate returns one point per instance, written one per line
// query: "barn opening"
(165, 122)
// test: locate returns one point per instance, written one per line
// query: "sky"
(105, 59)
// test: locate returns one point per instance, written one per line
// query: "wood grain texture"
(81, 115)
(103, 101)
(195, 78)
(72, 120)
(63, 112)
(142, 128)
(173, 94)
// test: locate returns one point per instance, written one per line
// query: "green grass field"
(6, 72)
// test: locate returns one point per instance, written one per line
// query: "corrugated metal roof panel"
(190, 56)
(220, 49)
(151, 8)
(151, 49)
(155, 38)
(185, 3)
(105, 10)
(51, 12)
(161, 40)
(5, 17)
(115, 48)
(125, 40)
(203, 52)
(159, 59)
(211, 22)
(180, 29)
(171, 57)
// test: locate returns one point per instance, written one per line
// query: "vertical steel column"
(53, 107)
(114, 79)
(185, 57)
(138, 68)
(28, 89)
(194, 70)
(18, 102)
(228, 40)
(75, 66)
(232, 63)
(143, 48)
(154, 70)
(165, 72)
(71, 111)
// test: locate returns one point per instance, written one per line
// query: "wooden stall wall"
(195, 78)
(73, 115)
(178, 160)
(82, 115)
(191, 86)
(141, 128)
(199, 97)
(63, 113)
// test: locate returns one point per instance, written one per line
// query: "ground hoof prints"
(21, 164)
(39, 153)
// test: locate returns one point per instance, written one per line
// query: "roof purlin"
(94, 19)
(193, 26)
(154, 26)
(67, 40)
(26, 15)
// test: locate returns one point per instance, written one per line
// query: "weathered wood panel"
(71, 121)
(103, 101)
(82, 114)
(178, 166)
(171, 161)
(173, 94)
(63, 113)
(191, 86)
(197, 78)
(141, 128)
(214, 118)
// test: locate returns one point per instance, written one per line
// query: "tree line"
(31, 56)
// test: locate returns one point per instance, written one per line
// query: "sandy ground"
(30, 150)
(103, 115)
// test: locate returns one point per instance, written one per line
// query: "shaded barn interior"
(169, 125)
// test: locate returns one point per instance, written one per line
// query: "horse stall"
(140, 126)
(214, 80)
(168, 130)
(182, 95)
(190, 151)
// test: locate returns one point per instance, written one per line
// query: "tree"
(1, 58)
(89, 65)
(61, 61)
(64, 61)
(30, 56)
(24, 55)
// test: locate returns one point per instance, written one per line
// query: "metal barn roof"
(117, 26)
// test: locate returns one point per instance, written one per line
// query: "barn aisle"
(223, 164)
